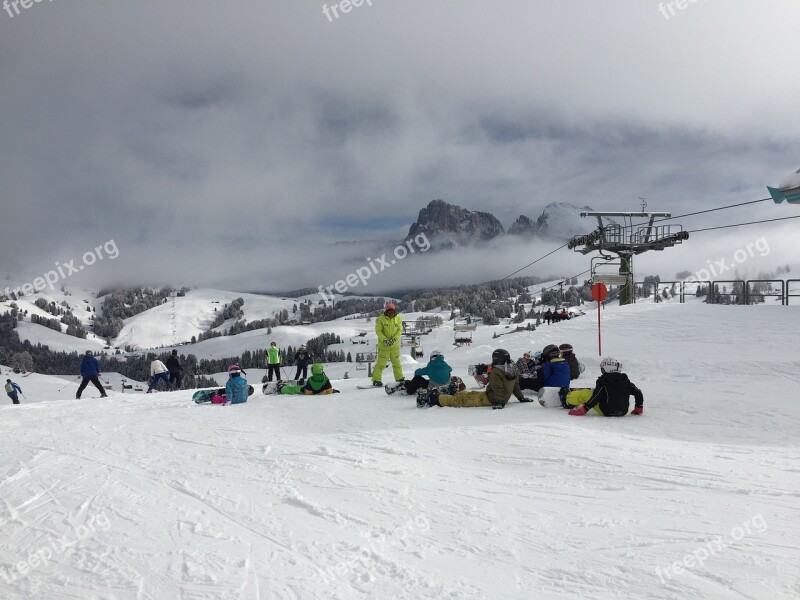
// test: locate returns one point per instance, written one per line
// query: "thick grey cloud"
(230, 142)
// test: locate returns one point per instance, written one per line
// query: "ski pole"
(70, 383)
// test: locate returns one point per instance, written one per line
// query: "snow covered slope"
(362, 495)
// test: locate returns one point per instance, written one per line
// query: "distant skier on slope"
(318, 383)
(302, 359)
(90, 371)
(273, 362)
(12, 389)
(611, 393)
(503, 383)
(175, 371)
(388, 328)
(158, 372)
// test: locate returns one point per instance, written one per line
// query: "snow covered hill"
(362, 495)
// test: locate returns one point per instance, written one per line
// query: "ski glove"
(526, 399)
(579, 411)
(638, 410)
(389, 342)
(498, 406)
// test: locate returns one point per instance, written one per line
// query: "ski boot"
(377, 384)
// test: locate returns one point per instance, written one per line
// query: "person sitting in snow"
(318, 383)
(12, 389)
(437, 372)
(554, 371)
(568, 354)
(236, 390)
(503, 383)
(611, 394)
(527, 370)
(158, 372)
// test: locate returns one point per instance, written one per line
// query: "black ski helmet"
(550, 352)
(565, 349)
(501, 357)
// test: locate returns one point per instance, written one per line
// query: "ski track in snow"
(362, 495)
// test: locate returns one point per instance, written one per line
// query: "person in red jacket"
(611, 393)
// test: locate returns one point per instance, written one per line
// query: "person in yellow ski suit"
(388, 328)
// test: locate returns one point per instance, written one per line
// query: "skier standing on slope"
(12, 389)
(90, 371)
(388, 328)
(273, 362)
(175, 371)
(158, 372)
(611, 393)
(302, 359)
(503, 383)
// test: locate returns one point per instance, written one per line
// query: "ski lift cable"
(701, 212)
(534, 262)
(742, 224)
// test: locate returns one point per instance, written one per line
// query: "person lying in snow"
(611, 393)
(503, 383)
(318, 383)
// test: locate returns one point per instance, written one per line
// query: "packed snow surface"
(362, 495)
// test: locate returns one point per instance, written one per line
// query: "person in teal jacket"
(236, 389)
(437, 371)
(388, 328)
(318, 383)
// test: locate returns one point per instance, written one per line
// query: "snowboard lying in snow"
(549, 396)
(202, 396)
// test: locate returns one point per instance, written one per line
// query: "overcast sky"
(229, 143)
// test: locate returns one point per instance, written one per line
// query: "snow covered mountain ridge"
(451, 226)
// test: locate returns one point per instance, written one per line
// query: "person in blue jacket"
(12, 389)
(236, 389)
(554, 371)
(437, 371)
(90, 371)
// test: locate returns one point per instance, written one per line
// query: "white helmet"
(610, 365)
(436, 353)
